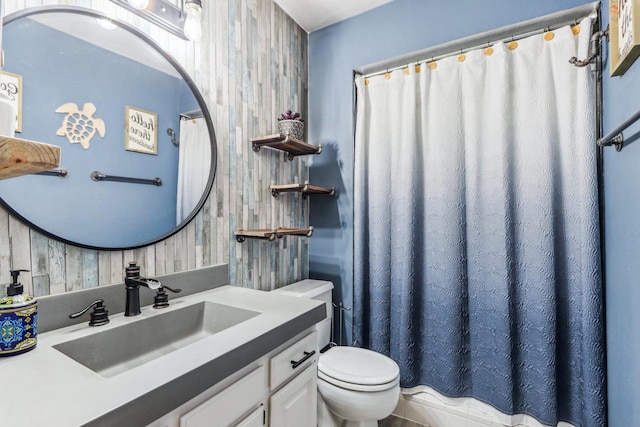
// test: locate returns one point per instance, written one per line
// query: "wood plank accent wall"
(250, 65)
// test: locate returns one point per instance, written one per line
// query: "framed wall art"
(11, 85)
(141, 130)
(624, 34)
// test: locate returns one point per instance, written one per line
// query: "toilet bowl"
(357, 386)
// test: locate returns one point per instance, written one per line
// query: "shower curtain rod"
(508, 33)
(193, 114)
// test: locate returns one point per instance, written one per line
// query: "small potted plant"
(290, 123)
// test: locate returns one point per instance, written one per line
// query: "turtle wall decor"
(79, 126)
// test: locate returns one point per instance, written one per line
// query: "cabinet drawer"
(304, 352)
(230, 404)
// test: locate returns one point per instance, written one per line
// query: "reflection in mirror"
(107, 96)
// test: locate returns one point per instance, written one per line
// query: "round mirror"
(136, 138)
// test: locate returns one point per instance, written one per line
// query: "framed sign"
(11, 85)
(624, 33)
(141, 130)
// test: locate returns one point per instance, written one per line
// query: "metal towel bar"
(60, 173)
(615, 137)
(99, 176)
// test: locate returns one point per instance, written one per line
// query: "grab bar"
(99, 176)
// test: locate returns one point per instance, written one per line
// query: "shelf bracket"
(271, 235)
(292, 156)
(264, 235)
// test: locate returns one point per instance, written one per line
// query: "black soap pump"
(18, 317)
(15, 288)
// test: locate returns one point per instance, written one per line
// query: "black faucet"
(99, 316)
(132, 283)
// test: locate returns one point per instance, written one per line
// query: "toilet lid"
(358, 366)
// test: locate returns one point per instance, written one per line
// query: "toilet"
(357, 387)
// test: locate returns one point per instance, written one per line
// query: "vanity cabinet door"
(254, 419)
(295, 404)
(228, 406)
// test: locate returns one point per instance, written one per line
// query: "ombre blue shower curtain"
(477, 255)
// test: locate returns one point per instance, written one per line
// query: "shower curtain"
(193, 165)
(477, 256)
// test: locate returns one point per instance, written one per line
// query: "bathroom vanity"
(245, 357)
(279, 389)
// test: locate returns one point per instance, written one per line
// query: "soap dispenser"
(18, 319)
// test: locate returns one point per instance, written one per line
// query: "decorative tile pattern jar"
(18, 324)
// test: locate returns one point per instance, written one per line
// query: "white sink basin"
(113, 351)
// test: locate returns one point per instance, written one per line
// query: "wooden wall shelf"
(271, 234)
(22, 157)
(306, 189)
(294, 147)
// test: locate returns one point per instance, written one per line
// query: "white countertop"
(45, 387)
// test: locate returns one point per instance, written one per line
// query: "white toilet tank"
(314, 289)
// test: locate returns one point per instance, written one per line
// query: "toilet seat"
(358, 369)
(358, 387)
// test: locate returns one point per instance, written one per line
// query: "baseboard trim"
(426, 406)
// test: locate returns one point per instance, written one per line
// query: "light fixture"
(193, 6)
(182, 20)
(192, 25)
(139, 4)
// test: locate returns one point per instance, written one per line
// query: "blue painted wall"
(404, 26)
(85, 73)
(622, 246)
